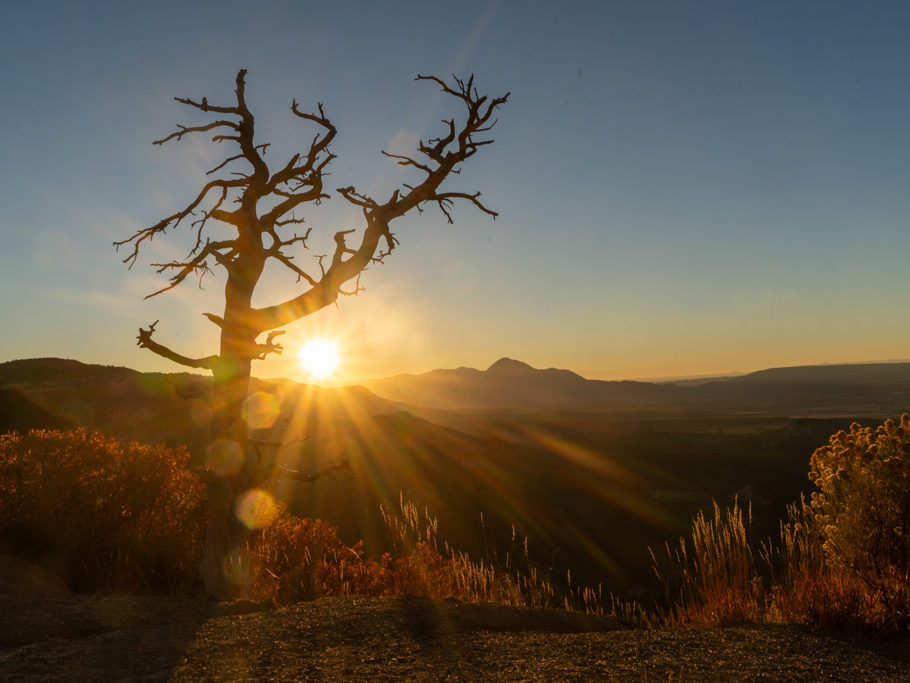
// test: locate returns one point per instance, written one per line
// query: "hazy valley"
(591, 472)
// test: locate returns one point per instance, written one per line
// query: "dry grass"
(298, 559)
(711, 580)
(842, 559)
(114, 517)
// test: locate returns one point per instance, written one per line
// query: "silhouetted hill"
(874, 389)
(507, 366)
(512, 385)
(18, 413)
(169, 408)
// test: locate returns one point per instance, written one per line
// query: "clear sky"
(683, 187)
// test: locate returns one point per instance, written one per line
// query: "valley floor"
(78, 637)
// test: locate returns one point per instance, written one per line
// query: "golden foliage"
(862, 506)
(301, 559)
(108, 516)
(103, 514)
(843, 557)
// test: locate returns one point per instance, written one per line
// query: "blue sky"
(683, 188)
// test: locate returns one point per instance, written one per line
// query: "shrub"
(861, 512)
(296, 559)
(843, 557)
(108, 516)
(862, 506)
(103, 515)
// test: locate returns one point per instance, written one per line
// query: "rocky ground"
(66, 637)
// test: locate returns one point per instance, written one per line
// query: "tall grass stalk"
(711, 579)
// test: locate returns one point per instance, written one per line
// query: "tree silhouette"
(259, 204)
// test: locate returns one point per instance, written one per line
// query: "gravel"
(125, 638)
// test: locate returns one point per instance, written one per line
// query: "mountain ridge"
(509, 384)
(879, 388)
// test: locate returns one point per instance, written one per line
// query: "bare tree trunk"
(267, 201)
(225, 566)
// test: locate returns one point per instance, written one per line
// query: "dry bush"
(420, 565)
(297, 559)
(843, 557)
(108, 516)
(104, 515)
(862, 506)
(806, 588)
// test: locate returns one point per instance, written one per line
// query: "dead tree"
(259, 204)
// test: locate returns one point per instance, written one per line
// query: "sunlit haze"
(682, 188)
(319, 358)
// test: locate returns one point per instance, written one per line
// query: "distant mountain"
(874, 389)
(512, 385)
(148, 406)
(18, 413)
(156, 407)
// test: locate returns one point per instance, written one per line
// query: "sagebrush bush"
(861, 516)
(295, 559)
(104, 515)
(843, 557)
(862, 506)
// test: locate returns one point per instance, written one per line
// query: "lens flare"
(260, 410)
(225, 457)
(256, 509)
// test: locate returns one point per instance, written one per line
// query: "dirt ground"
(67, 637)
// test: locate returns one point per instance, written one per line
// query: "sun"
(319, 357)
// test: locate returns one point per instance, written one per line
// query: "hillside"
(169, 408)
(591, 491)
(513, 385)
(18, 412)
(873, 389)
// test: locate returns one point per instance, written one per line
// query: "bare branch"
(197, 264)
(355, 197)
(184, 130)
(341, 248)
(145, 341)
(216, 319)
(293, 220)
(444, 200)
(205, 106)
(225, 163)
(174, 220)
(260, 351)
(193, 393)
(287, 261)
(407, 161)
(297, 475)
(357, 288)
(447, 151)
